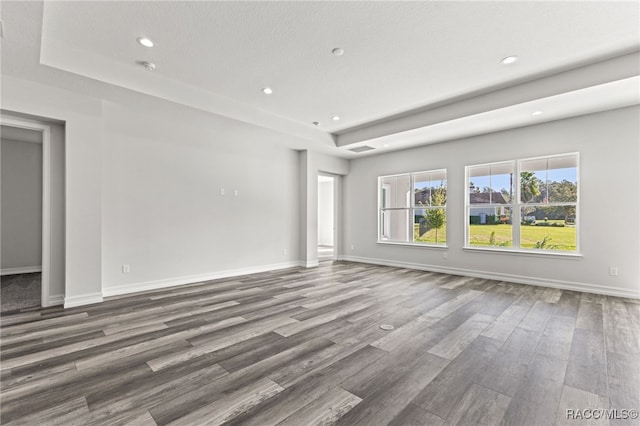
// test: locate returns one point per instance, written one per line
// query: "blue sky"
(427, 184)
(499, 182)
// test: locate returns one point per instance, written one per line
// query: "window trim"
(516, 205)
(525, 252)
(410, 209)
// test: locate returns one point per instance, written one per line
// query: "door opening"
(26, 215)
(326, 218)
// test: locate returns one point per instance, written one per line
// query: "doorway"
(25, 214)
(326, 218)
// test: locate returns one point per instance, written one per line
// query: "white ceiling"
(399, 56)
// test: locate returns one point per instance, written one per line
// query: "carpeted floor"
(20, 291)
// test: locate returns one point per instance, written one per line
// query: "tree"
(506, 195)
(529, 190)
(437, 217)
(565, 191)
(529, 187)
(557, 192)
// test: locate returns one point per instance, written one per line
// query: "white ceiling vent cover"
(364, 148)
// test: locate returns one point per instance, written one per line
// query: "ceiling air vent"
(364, 148)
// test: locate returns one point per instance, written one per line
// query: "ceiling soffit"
(611, 56)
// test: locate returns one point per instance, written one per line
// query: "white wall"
(142, 188)
(609, 210)
(163, 214)
(325, 213)
(21, 205)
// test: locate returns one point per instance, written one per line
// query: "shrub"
(544, 243)
(493, 242)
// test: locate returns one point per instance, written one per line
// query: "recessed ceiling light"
(536, 113)
(146, 42)
(338, 51)
(335, 118)
(267, 90)
(386, 145)
(149, 65)
(509, 60)
(316, 123)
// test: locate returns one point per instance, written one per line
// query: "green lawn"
(560, 238)
(430, 236)
(480, 235)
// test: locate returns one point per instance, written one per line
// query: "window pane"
(491, 184)
(548, 228)
(549, 180)
(395, 225)
(430, 188)
(490, 226)
(395, 191)
(430, 225)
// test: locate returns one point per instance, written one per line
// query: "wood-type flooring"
(305, 347)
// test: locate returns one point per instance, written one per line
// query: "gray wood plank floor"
(305, 347)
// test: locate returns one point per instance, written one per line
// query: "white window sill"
(521, 252)
(430, 246)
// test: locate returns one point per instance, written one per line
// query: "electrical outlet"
(353, 247)
(235, 192)
(126, 269)
(284, 252)
(613, 271)
(221, 191)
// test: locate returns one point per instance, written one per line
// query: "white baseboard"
(56, 299)
(310, 263)
(21, 270)
(541, 282)
(85, 299)
(190, 279)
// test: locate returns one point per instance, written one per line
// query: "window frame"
(410, 209)
(516, 206)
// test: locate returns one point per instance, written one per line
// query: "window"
(539, 195)
(490, 204)
(413, 208)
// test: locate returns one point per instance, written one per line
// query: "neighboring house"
(422, 196)
(479, 198)
(483, 198)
